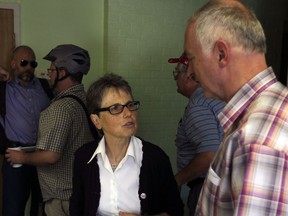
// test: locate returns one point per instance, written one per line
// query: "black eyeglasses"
(24, 63)
(181, 68)
(118, 108)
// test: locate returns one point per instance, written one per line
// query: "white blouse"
(119, 189)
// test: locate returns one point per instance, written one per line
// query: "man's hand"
(4, 75)
(127, 214)
(15, 156)
(37, 158)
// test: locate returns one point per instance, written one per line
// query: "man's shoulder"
(74, 91)
(69, 101)
(199, 98)
(204, 102)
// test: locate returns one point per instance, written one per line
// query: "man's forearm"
(197, 167)
(37, 158)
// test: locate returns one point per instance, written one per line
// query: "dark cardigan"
(158, 191)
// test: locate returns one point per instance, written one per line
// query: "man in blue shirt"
(199, 133)
(24, 99)
(63, 127)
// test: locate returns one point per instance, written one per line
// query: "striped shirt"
(249, 175)
(198, 130)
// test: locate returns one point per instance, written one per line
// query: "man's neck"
(64, 85)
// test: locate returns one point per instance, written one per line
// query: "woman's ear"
(96, 121)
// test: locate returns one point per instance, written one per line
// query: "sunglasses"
(24, 63)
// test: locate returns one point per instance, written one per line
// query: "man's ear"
(96, 121)
(62, 73)
(221, 52)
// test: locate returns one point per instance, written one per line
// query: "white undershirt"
(119, 189)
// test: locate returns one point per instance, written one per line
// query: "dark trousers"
(195, 189)
(17, 185)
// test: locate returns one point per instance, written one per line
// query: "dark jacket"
(157, 182)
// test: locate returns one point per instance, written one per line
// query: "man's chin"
(26, 77)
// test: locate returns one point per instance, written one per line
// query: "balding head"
(21, 49)
(231, 21)
(23, 64)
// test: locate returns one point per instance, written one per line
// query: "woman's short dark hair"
(98, 89)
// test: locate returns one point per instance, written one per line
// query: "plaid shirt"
(63, 129)
(249, 175)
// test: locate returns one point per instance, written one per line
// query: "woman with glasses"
(121, 174)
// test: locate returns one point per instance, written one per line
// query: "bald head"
(21, 49)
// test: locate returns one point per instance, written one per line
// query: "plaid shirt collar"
(241, 100)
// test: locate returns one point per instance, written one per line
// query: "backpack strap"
(93, 130)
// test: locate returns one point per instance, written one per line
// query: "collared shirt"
(23, 107)
(198, 130)
(120, 196)
(249, 175)
(63, 128)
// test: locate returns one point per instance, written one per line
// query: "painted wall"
(130, 37)
(141, 36)
(133, 38)
(46, 24)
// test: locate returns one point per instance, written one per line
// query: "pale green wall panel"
(141, 36)
(133, 38)
(46, 24)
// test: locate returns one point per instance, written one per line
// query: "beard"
(26, 76)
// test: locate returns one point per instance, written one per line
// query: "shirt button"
(143, 196)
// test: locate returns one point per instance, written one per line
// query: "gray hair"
(229, 21)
